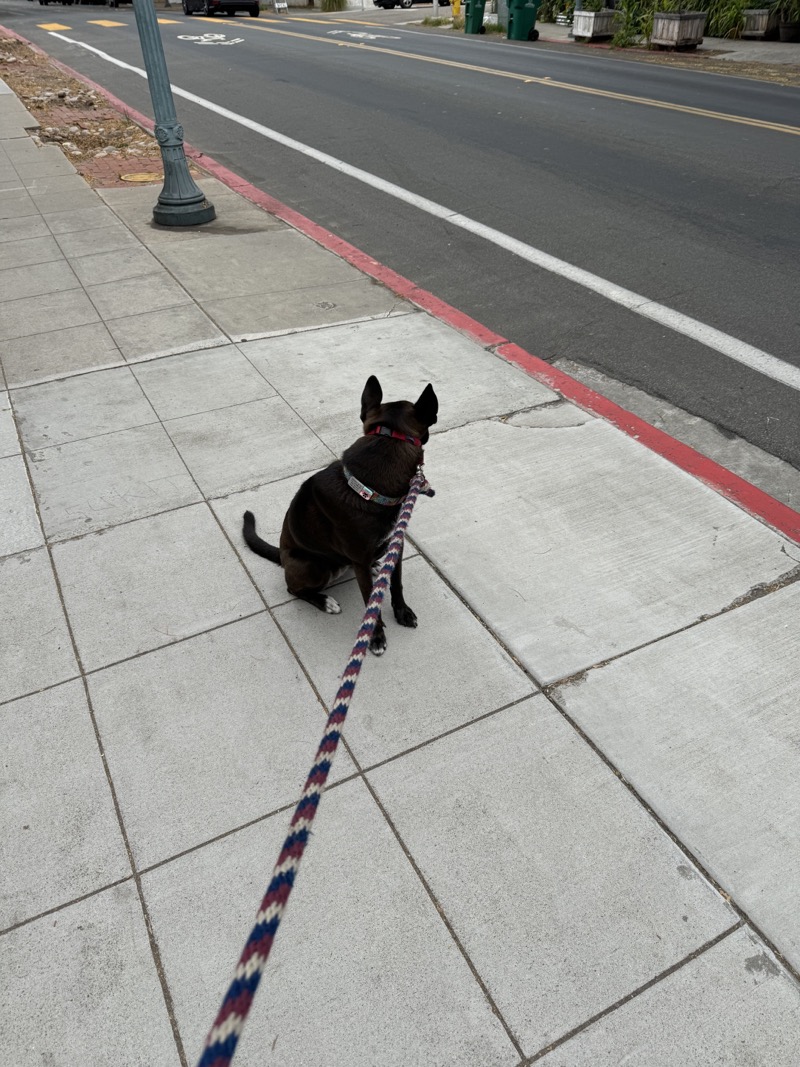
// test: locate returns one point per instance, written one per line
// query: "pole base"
(184, 214)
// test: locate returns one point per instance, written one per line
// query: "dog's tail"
(253, 541)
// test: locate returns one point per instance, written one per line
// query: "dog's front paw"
(377, 644)
(405, 616)
(332, 606)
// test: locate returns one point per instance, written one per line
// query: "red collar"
(384, 431)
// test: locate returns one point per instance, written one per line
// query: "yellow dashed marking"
(335, 22)
(105, 22)
(53, 26)
(168, 22)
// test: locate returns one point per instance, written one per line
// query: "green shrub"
(725, 18)
(333, 5)
(636, 24)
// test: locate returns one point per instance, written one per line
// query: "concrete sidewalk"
(596, 717)
(733, 51)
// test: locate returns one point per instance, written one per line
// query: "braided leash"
(229, 1023)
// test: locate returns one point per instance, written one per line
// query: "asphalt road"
(690, 210)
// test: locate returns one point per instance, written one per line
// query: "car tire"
(406, 3)
(255, 11)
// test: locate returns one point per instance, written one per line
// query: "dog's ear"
(427, 406)
(371, 397)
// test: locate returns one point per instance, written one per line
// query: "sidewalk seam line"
(66, 904)
(440, 911)
(154, 950)
(660, 977)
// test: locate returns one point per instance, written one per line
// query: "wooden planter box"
(760, 22)
(594, 24)
(678, 29)
(789, 31)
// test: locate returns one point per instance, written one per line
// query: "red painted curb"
(725, 482)
(752, 499)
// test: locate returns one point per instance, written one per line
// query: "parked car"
(387, 5)
(219, 7)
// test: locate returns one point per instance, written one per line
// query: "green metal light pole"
(181, 202)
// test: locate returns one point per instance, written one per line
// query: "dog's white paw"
(332, 606)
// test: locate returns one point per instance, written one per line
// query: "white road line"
(732, 347)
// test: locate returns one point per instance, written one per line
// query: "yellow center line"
(527, 79)
(335, 22)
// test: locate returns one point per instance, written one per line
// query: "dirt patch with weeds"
(778, 74)
(99, 141)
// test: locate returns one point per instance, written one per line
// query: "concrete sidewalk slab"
(243, 317)
(139, 296)
(239, 447)
(198, 745)
(25, 253)
(82, 407)
(35, 649)
(44, 314)
(235, 215)
(575, 544)
(103, 481)
(274, 278)
(733, 1005)
(547, 868)
(36, 280)
(9, 442)
(322, 374)
(112, 237)
(21, 229)
(19, 525)
(16, 203)
(117, 265)
(704, 725)
(432, 679)
(201, 381)
(59, 833)
(59, 351)
(82, 983)
(176, 329)
(149, 583)
(364, 971)
(255, 265)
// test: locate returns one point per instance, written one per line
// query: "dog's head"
(412, 419)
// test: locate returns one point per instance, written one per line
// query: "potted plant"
(788, 12)
(592, 21)
(760, 23)
(676, 28)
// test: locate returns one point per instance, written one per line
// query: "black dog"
(344, 515)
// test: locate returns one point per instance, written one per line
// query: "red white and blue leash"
(224, 1034)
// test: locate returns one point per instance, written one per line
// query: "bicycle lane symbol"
(209, 38)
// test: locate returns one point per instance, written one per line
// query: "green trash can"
(473, 16)
(522, 20)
